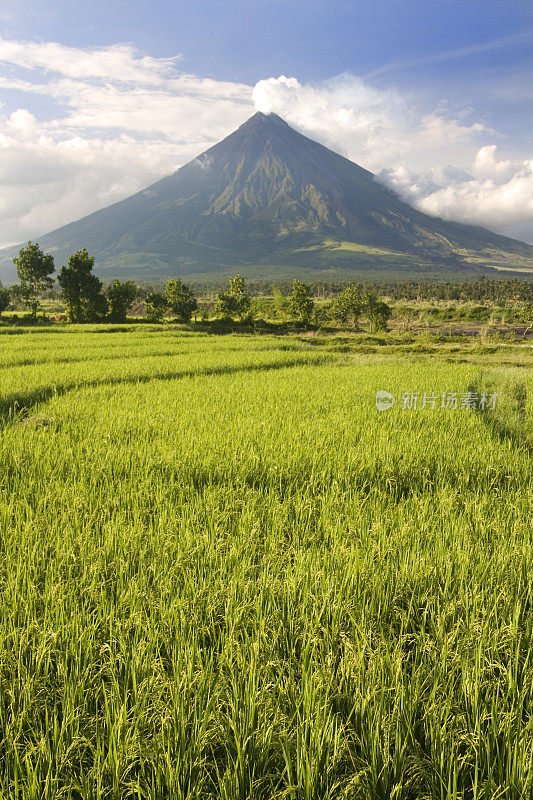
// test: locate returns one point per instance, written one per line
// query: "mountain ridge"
(268, 195)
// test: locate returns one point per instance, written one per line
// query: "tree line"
(83, 292)
(480, 289)
(86, 301)
(477, 289)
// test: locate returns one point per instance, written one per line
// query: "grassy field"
(225, 574)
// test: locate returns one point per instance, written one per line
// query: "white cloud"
(376, 128)
(119, 62)
(498, 194)
(49, 179)
(119, 122)
(485, 201)
(486, 165)
(47, 182)
(433, 160)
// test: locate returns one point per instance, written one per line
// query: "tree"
(348, 305)
(234, 302)
(155, 305)
(120, 296)
(180, 300)
(377, 311)
(5, 298)
(301, 303)
(33, 269)
(81, 289)
(527, 316)
(281, 304)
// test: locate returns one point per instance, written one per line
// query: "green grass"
(225, 574)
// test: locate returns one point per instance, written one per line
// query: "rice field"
(225, 574)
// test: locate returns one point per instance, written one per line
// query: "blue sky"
(101, 98)
(246, 41)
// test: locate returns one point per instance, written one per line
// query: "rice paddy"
(225, 574)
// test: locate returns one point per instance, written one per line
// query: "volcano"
(269, 201)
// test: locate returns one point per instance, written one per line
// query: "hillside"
(272, 201)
